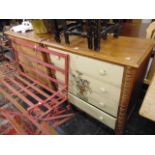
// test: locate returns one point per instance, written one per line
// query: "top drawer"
(98, 70)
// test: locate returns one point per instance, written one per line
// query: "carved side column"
(126, 92)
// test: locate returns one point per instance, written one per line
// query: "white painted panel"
(94, 112)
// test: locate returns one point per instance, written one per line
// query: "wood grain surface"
(123, 51)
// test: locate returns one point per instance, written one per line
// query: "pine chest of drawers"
(100, 83)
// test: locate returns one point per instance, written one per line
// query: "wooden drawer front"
(100, 94)
(98, 70)
(94, 112)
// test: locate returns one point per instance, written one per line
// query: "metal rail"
(37, 101)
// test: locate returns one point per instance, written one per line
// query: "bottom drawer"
(94, 112)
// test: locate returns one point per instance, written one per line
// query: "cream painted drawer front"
(94, 112)
(96, 82)
(104, 96)
(100, 94)
(99, 70)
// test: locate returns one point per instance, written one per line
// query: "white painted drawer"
(99, 70)
(100, 94)
(94, 112)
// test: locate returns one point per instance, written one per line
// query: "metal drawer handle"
(102, 72)
(103, 90)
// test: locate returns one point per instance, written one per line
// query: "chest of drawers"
(100, 84)
(95, 82)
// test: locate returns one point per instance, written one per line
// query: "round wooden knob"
(102, 72)
(102, 104)
(101, 118)
(103, 90)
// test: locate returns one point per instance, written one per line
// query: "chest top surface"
(124, 51)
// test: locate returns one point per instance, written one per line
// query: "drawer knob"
(102, 72)
(103, 90)
(102, 104)
(101, 118)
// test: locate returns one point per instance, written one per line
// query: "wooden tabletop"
(147, 109)
(126, 51)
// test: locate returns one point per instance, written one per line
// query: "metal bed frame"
(37, 101)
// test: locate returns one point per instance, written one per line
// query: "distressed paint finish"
(20, 85)
(82, 85)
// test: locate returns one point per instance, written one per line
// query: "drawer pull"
(103, 90)
(102, 72)
(101, 118)
(102, 104)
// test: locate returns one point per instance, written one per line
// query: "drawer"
(100, 94)
(94, 112)
(99, 70)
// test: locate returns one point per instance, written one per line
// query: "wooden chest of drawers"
(96, 82)
(101, 84)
